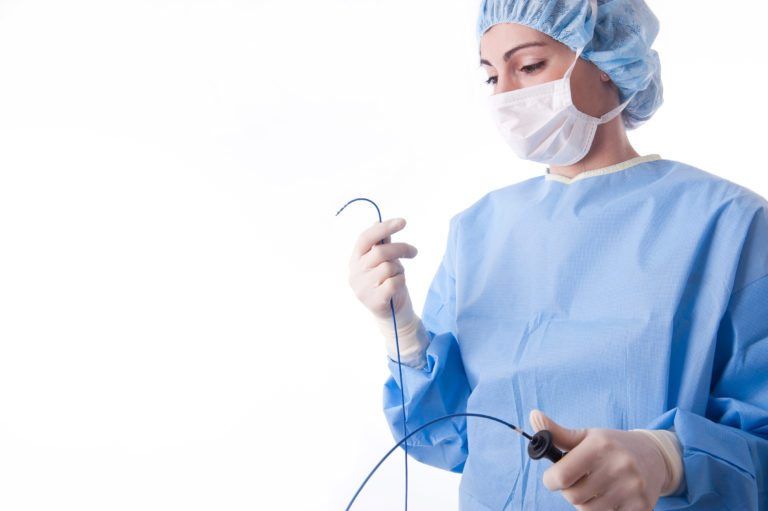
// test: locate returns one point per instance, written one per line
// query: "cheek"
(589, 93)
(584, 101)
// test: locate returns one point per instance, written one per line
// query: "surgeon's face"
(516, 56)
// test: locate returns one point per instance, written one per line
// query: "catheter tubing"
(515, 428)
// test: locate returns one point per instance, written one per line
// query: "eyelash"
(531, 68)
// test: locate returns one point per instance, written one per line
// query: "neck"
(611, 146)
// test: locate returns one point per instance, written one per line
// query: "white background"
(176, 327)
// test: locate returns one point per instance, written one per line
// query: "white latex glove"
(412, 338)
(606, 469)
(376, 275)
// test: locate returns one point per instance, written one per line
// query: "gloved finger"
(564, 438)
(375, 233)
(387, 252)
(580, 461)
(612, 498)
(590, 486)
(389, 288)
(536, 418)
(386, 270)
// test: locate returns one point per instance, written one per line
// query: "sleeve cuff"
(669, 446)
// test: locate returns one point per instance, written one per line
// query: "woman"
(624, 296)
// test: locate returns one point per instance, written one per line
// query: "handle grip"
(542, 446)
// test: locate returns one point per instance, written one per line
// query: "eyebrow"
(509, 53)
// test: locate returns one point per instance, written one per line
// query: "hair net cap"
(619, 43)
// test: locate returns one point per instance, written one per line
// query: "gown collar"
(602, 171)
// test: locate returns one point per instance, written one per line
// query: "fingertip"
(547, 480)
(537, 420)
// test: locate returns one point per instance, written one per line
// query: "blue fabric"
(635, 299)
(621, 46)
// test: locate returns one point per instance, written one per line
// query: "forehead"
(502, 36)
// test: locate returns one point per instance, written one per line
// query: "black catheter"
(540, 444)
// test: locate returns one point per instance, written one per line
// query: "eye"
(489, 82)
(532, 67)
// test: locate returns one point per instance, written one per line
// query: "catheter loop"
(511, 426)
(407, 435)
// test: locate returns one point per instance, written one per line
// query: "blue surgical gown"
(634, 299)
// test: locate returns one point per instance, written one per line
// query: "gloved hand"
(607, 469)
(376, 275)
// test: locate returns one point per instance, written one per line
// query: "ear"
(604, 77)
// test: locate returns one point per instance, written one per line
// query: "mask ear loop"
(616, 111)
(593, 6)
(609, 116)
(567, 75)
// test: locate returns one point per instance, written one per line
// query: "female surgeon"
(618, 300)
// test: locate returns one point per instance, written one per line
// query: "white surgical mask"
(541, 123)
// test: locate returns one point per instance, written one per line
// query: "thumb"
(564, 438)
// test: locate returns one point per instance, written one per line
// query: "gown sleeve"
(440, 387)
(725, 453)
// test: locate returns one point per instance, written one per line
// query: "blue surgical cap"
(619, 44)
